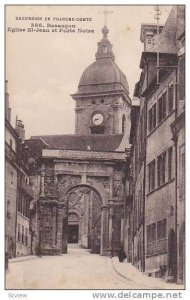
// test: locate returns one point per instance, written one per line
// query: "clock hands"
(97, 119)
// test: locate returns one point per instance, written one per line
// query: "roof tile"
(95, 142)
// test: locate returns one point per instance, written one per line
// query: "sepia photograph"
(95, 148)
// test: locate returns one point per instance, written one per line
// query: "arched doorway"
(73, 228)
(86, 227)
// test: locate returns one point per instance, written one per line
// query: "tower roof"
(80, 142)
(103, 75)
(167, 39)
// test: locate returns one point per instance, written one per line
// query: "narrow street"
(76, 270)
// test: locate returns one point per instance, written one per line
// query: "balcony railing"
(10, 152)
(27, 188)
(156, 247)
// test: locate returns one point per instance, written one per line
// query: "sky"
(44, 68)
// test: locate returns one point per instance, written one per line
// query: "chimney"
(7, 108)
(20, 129)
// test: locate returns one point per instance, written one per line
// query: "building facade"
(24, 195)
(10, 180)
(119, 180)
(18, 190)
(81, 177)
(178, 129)
(158, 152)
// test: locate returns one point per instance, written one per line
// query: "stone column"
(110, 227)
(54, 226)
(90, 219)
(86, 220)
(60, 225)
(42, 194)
(104, 230)
(122, 231)
(111, 187)
(64, 228)
(83, 221)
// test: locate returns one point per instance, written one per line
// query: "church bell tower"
(102, 100)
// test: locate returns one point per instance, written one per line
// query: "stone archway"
(88, 201)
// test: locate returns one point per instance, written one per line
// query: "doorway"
(73, 228)
(84, 219)
(73, 233)
(181, 266)
(171, 254)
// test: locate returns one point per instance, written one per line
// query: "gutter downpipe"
(176, 177)
(144, 183)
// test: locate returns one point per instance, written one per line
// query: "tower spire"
(157, 17)
(105, 16)
(106, 12)
(104, 46)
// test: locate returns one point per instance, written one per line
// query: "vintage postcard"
(95, 148)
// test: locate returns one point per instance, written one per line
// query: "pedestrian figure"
(121, 254)
(11, 248)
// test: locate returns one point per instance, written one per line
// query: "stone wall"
(11, 195)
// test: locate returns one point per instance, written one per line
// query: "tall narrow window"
(142, 130)
(151, 175)
(11, 143)
(170, 151)
(151, 233)
(182, 173)
(154, 115)
(19, 235)
(22, 199)
(151, 239)
(161, 229)
(27, 208)
(22, 234)
(162, 107)
(161, 168)
(123, 124)
(170, 97)
(164, 99)
(20, 204)
(159, 109)
(12, 176)
(150, 120)
(26, 236)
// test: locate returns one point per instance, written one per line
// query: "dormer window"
(11, 143)
(149, 39)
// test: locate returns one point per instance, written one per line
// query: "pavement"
(131, 273)
(79, 270)
(22, 258)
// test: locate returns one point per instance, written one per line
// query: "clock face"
(97, 119)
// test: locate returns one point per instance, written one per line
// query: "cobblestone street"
(76, 270)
